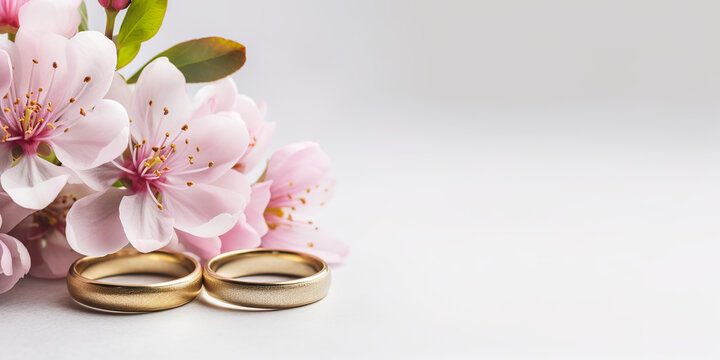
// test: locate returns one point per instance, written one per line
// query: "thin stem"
(110, 21)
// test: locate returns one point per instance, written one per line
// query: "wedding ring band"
(86, 288)
(221, 272)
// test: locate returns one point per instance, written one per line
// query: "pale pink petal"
(5, 72)
(216, 97)
(33, 182)
(51, 256)
(101, 177)
(306, 239)
(14, 262)
(204, 210)
(241, 236)
(164, 85)
(43, 59)
(92, 58)
(93, 224)
(57, 16)
(147, 227)
(99, 137)
(222, 139)
(204, 247)
(120, 91)
(260, 140)
(296, 168)
(259, 199)
(12, 213)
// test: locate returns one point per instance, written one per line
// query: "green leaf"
(83, 17)
(126, 54)
(203, 60)
(142, 21)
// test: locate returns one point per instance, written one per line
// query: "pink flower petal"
(163, 84)
(36, 54)
(306, 239)
(222, 139)
(58, 16)
(216, 97)
(296, 167)
(147, 227)
(241, 236)
(93, 224)
(51, 256)
(101, 177)
(260, 138)
(14, 262)
(204, 247)
(33, 182)
(99, 137)
(11, 212)
(5, 72)
(92, 58)
(204, 210)
(120, 91)
(259, 199)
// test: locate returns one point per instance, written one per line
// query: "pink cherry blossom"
(295, 184)
(223, 96)
(176, 173)
(43, 234)
(53, 88)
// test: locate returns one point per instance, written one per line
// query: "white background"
(518, 179)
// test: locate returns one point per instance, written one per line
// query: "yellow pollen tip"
(165, 111)
(34, 61)
(184, 127)
(275, 211)
(160, 207)
(210, 164)
(190, 183)
(87, 79)
(54, 65)
(82, 112)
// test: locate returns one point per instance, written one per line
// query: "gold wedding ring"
(221, 273)
(86, 288)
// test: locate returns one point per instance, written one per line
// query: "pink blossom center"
(30, 118)
(149, 165)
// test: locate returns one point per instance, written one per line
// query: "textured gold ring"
(86, 288)
(221, 273)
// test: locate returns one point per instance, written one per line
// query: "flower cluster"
(91, 164)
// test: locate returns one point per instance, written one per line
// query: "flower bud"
(114, 4)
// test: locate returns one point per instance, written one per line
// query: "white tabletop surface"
(551, 193)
